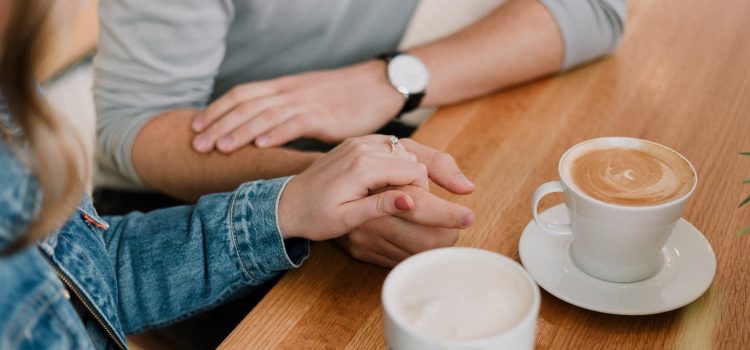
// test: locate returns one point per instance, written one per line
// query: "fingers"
(362, 210)
(231, 100)
(289, 130)
(434, 211)
(381, 171)
(391, 251)
(389, 240)
(442, 168)
(378, 259)
(364, 253)
(243, 113)
(246, 133)
(409, 236)
(371, 163)
(362, 244)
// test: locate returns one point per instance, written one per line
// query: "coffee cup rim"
(388, 307)
(583, 194)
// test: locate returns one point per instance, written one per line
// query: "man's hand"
(441, 167)
(431, 223)
(326, 105)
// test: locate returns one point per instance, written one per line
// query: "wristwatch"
(409, 76)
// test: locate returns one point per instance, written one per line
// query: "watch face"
(408, 74)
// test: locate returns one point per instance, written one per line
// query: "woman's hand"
(326, 105)
(432, 223)
(333, 196)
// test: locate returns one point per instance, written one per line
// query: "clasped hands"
(376, 205)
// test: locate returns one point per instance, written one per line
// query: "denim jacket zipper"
(97, 316)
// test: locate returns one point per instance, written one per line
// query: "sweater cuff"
(589, 29)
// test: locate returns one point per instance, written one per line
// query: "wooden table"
(680, 78)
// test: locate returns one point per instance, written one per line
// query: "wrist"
(288, 222)
(309, 158)
(388, 99)
(409, 76)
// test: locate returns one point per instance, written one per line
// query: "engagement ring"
(394, 143)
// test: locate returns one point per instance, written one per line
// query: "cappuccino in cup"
(642, 176)
(457, 298)
(624, 197)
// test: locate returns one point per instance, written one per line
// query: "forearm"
(165, 160)
(177, 261)
(517, 42)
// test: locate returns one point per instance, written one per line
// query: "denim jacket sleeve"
(172, 263)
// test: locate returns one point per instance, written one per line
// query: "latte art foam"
(633, 177)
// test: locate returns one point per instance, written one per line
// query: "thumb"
(378, 205)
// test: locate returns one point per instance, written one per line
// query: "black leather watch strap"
(412, 101)
(389, 55)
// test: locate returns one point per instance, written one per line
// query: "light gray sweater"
(157, 55)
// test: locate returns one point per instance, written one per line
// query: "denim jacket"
(97, 279)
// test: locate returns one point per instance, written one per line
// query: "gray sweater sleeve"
(589, 28)
(144, 67)
(159, 55)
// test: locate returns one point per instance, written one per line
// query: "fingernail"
(465, 180)
(261, 141)
(467, 220)
(202, 143)
(198, 123)
(401, 203)
(225, 142)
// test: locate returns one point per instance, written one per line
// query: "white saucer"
(689, 267)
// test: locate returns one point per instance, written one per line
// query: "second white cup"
(460, 298)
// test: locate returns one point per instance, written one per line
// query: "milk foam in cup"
(456, 298)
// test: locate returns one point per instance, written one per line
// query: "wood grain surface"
(681, 78)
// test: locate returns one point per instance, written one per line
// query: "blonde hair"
(58, 156)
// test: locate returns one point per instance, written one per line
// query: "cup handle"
(541, 191)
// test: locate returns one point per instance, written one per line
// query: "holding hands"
(374, 203)
(381, 198)
(335, 194)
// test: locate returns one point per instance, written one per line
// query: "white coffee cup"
(460, 298)
(613, 242)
